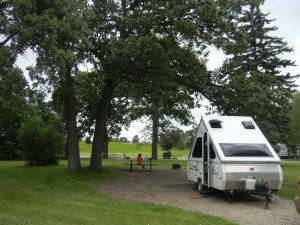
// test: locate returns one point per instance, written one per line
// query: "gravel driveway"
(170, 187)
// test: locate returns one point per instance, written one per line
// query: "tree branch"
(6, 40)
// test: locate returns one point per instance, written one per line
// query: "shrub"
(42, 142)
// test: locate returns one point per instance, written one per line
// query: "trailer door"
(195, 159)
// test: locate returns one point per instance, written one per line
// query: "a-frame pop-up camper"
(230, 153)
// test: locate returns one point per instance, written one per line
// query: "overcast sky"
(287, 16)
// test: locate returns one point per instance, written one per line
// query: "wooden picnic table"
(133, 163)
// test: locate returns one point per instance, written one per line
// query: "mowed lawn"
(291, 173)
(50, 195)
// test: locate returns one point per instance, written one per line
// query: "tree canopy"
(250, 82)
(150, 44)
(56, 31)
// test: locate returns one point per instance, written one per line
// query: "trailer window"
(245, 150)
(197, 151)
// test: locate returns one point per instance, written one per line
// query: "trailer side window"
(197, 151)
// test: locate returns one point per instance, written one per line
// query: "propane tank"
(297, 199)
(250, 183)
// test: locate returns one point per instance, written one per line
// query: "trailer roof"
(236, 130)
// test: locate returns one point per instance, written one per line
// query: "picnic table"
(147, 163)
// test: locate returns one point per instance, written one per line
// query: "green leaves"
(294, 125)
(42, 139)
(171, 139)
(13, 92)
(250, 82)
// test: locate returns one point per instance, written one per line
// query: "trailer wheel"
(200, 186)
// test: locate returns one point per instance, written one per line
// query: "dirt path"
(171, 188)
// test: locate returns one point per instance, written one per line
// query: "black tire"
(199, 186)
(202, 189)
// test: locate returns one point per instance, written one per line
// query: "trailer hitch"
(263, 190)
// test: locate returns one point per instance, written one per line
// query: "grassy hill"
(121, 149)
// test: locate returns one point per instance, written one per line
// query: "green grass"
(50, 195)
(122, 149)
(291, 173)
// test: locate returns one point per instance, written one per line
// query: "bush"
(42, 143)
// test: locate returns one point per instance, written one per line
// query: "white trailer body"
(230, 153)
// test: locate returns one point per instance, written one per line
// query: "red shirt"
(139, 160)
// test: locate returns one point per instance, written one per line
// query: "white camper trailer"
(230, 153)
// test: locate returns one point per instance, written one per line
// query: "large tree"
(56, 31)
(133, 41)
(250, 80)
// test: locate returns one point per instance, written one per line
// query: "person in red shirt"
(140, 161)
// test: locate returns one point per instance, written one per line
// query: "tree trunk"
(155, 122)
(105, 150)
(71, 124)
(100, 127)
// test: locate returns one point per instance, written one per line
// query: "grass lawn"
(50, 195)
(291, 173)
